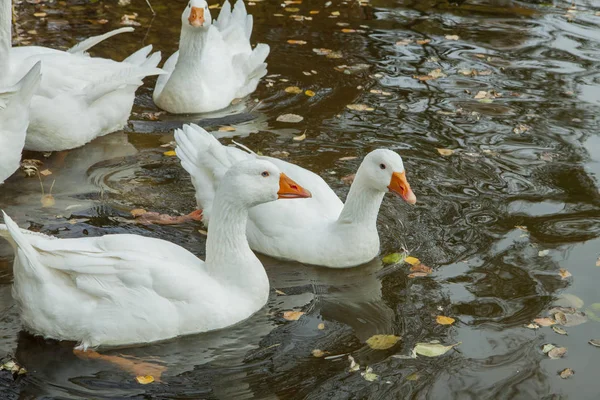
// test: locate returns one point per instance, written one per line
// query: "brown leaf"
(442, 320)
(445, 152)
(560, 318)
(557, 352)
(293, 315)
(292, 41)
(421, 268)
(46, 172)
(544, 321)
(144, 379)
(566, 373)
(424, 41)
(226, 129)
(137, 212)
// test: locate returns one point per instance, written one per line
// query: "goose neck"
(362, 204)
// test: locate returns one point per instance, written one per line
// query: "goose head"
(253, 182)
(384, 171)
(196, 15)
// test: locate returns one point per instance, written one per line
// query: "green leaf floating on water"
(394, 258)
(382, 342)
(593, 312)
(433, 349)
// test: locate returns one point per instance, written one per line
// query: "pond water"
(513, 199)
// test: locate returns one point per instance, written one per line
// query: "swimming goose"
(14, 119)
(215, 62)
(80, 97)
(125, 289)
(321, 230)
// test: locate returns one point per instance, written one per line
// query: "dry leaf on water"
(292, 315)
(170, 153)
(532, 326)
(300, 138)
(46, 172)
(433, 349)
(321, 326)
(382, 342)
(557, 352)
(559, 330)
(359, 107)
(279, 292)
(309, 93)
(445, 152)
(560, 318)
(227, 129)
(566, 373)
(595, 342)
(291, 41)
(290, 118)
(412, 260)
(293, 89)
(435, 74)
(354, 366)
(452, 37)
(318, 353)
(442, 320)
(421, 268)
(544, 321)
(144, 379)
(369, 375)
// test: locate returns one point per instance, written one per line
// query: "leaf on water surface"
(595, 342)
(452, 37)
(359, 107)
(559, 330)
(544, 321)
(547, 347)
(413, 377)
(348, 30)
(598, 262)
(445, 152)
(309, 93)
(279, 292)
(321, 326)
(593, 312)
(137, 212)
(412, 260)
(543, 253)
(226, 129)
(442, 320)
(566, 373)
(335, 13)
(144, 379)
(293, 89)
(293, 315)
(322, 51)
(347, 158)
(520, 128)
(318, 353)
(300, 138)
(421, 268)
(403, 42)
(557, 352)
(560, 318)
(40, 14)
(394, 258)
(532, 326)
(577, 318)
(423, 41)
(170, 153)
(354, 366)
(292, 9)
(293, 41)
(369, 375)
(46, 172)
(433, 349)
(382, 342)
(290, 118)
(482, 94)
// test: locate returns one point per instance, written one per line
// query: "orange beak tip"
(288, 189)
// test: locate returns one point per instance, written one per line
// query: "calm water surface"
(526, 155)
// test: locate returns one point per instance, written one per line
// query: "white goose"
(125, 289)
(14, 119)
(321, 230)
(215, 62)
(80, 97)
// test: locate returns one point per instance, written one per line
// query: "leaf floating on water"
(442, 320)
(318, 353)
(382, 342)
(359, 107)
(300, 138)
(421, 268)
(290, 118)
(300, 42)
(369, 375)
(292, 9)
(321, 326)
(445, 152)
(293, 90)
(566, 373)
(46, 172)
(557, 352)
(559, 330)
(560, 318)
(452, 37)
(309, 93)
(532, 326)
(347, 158)
(394, 258)
(412, 260)
(547, 347)
(543, 253)
(433, 349)
(593, 312)
(569, 300)
(354, 366)
(521, 128)
(293, 315)
(403, 42)
(598, 262)
(170, 153)
(482, 94)
(348, 179)
(544, 321)
(226, 129)
(279, 292)
(424, 41)
(144, 379)
(595, 342)
(40, 14)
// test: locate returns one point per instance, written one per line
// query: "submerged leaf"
(413, 377)
(382, 342)
(442, 320)
(433, 349)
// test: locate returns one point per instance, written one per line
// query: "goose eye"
(265, 174)
(382, 166)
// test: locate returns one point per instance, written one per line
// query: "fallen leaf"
(321, 326)
(560, 318)
(543, 253)
(335, 13)
(293, 89)
(348, 30)
(566, 373)
(290, 118)
(445, 152)
(559, 330)
(369, 375)
(137, 212)
(421, 268)
(452, 37)
(292, 41)
(226, 129)
(309, 93)
(413, 377)
(40, 14)
(442, 320)
(292, 315)
(547, 347)
(403, 42)
(520, 128)
(170, 153)
(568, 300)
(354, 366)
(532, 326)
(557, 352)
(359, 107)
(46, 172)
(144, 379)
(347, 158)
(382, 342)
(314, 12)
(393, 258)
(47, 200)
(482, 94)
(433, 349)
(279, 292)
(544, 321)
(412, 260)
(595, 342)
(300, 138)
(424, 41)
(318, 353)
(292, 9)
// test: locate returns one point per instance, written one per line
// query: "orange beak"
(400, 186)
(288, 189)
(196, 18)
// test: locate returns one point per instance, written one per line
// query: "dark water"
(541, 60)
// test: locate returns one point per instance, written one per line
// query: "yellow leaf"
(300, 138)
(170, 153)
(292, 9)
(144, 379)
(382, 342)
(347, 30)
(564, 274)
(335, 13)
(292, 315)
(412, 260)
(321, 326)
(309, 93)
(46, 172)
(137, 212)
(445, 152)
(293, 89)
(318, 353)
(292, 41)
(227, 129)
(48, 200)
(442, 320)
(313, 12)
(39, 14)
(359, 107)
